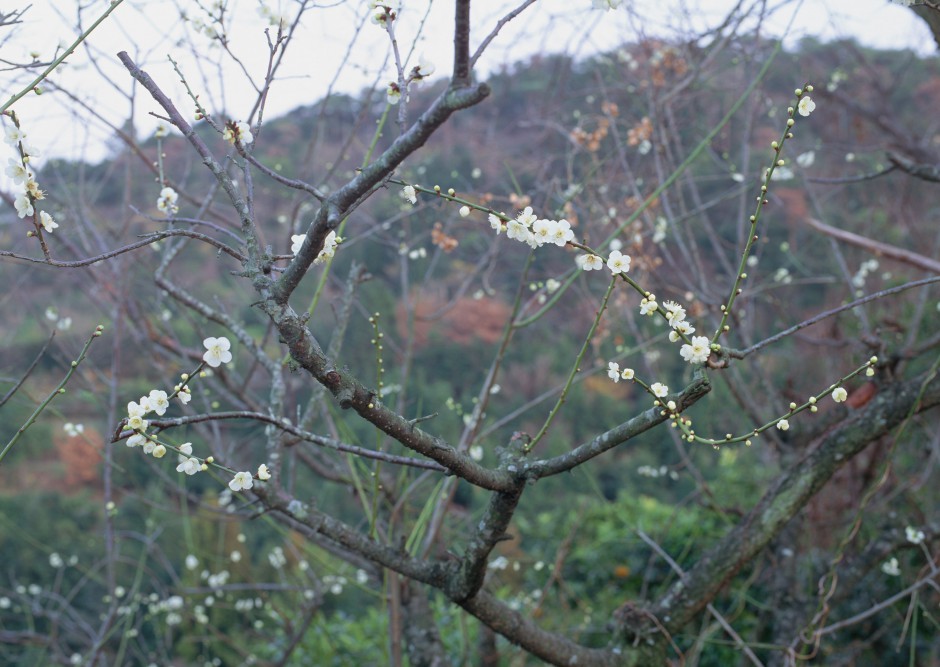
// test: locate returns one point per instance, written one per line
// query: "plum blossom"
(329, 248)
(238, 131)
(519, 231)
(680, 329)
(409, 194)
(618, 262)
(166, 202)
(806, 105)
(613, 371)
(135, 415)
(242, 480)
(589, 262)
(674, 313)
(24, 205)
(217, 351)
(890, 567)
(496, 223)
(627, 374)
(561, 233)
(18, 171)
(648, 305)
(783, 424)
(190, 466)
(839, 394)
(423, 69)
(14, 135)
(659, 390)
(158, 401)
(47, 222)
(183, 394)
(393, 93)
(263, 473)
(697, 352)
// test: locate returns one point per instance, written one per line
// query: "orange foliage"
(80, 458)
(467, 320)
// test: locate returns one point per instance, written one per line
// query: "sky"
(337, 48)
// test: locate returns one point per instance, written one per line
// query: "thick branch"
(339, 204)
(789, 495)
(352, 394)
(615, 436)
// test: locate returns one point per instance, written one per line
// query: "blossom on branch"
(238, 131)
(24, 205)
(806, 106)
(618, 262)
(18, 171)
(166, 202)
(697, 352)
(613, 371)
(217, 351)
(589, 262)
(242, 480)
(190, 466)
(648, 306)
(47, 222)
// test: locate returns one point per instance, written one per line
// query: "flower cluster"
(166, 202)
(382, 14)
(530, 229)
(19, 172)
(329, 246)
(238, 131)
(157, 402)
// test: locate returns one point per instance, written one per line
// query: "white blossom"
(217, 351)
(242, 480)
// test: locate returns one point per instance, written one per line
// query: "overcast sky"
(153, 29)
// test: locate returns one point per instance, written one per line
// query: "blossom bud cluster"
(20, 173)
(238, 131)
(395, 89)
(382, 13)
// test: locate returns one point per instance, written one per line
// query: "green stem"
(58, 61)
(60, 389)
(575, 368)
(754, 219)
